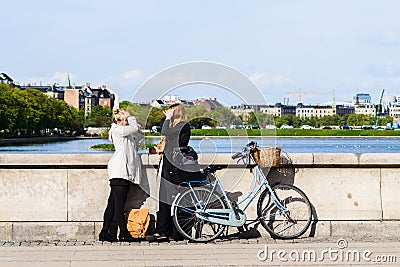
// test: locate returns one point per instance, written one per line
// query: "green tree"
(252, 119)
(199, 116)
(223, 116)
(8, 108)
(264, 119)
(33, 113)
(384, 121)
(99, 116)
(359, 120)
(124, 104)
(77, 124)
(155, 117)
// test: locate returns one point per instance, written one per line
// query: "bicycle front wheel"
(186, 221)
(284, 225)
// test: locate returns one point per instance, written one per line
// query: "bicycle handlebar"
(237, 155)
(245, 151)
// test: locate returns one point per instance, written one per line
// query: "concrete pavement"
(234, 252)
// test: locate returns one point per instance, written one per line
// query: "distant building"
(322, 111)
(362, 98)
(104, 97)
(85, 98)
(305, 111)
(365, 109)
(55, 92)
(80, 97)
(51, 91)
(4, 78)
(273, 110)
(394, 107)
(342, 110)
(172, 99)
(210, 104)
(158, 103)
(242, 111)
(394, 111)
(279, 110)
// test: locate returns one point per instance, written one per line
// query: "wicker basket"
(267, 156)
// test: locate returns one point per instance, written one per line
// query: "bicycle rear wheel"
(290, 224)
(186, 221)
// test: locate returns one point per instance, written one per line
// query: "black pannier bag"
(184, 156)
(186, 165)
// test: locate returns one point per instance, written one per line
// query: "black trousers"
(116, 207)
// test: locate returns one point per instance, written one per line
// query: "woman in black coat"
(177, 133)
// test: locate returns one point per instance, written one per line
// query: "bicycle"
(202, 212)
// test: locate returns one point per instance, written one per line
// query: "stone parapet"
(63, 196)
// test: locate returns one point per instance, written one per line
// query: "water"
(305, 145)
(78, 146)
(230, 145)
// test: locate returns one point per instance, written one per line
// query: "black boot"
(126, 237)
(106, 236)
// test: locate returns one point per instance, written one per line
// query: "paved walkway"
(239, 252)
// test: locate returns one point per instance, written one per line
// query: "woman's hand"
(127, 115)
(140, 129)
(169, 113)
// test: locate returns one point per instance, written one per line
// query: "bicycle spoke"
(291, 222)
(190, 225)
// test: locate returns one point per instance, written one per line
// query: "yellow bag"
(138, 222)
(161, 145)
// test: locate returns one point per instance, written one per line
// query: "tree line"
(198, 116)
(31, 113)
(333, 120)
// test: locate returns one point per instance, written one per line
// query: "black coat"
(175, 137)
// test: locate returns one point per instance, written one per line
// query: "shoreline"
(45, 139)
(285, 136)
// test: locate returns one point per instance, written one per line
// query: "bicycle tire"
(186, 221)
(291, 224)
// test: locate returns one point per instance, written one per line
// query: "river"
(230, 145)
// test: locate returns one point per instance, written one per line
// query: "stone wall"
(62, 197)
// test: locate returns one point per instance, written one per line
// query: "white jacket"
(125, 163)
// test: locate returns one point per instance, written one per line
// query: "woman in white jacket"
(123, 168)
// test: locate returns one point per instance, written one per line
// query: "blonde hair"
(118, 115)
(179, 114)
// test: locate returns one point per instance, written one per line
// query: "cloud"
(263, 79)
(125, 84)
(392, 68)
(383, 70)
(58, 78)
(382, 39)
(61, 78)
(133, 75)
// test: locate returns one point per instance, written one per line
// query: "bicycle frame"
(253, 193)
(231, 216)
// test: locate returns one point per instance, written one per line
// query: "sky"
(324, 49)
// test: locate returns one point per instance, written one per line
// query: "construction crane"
(379, 107)
(299, 93)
